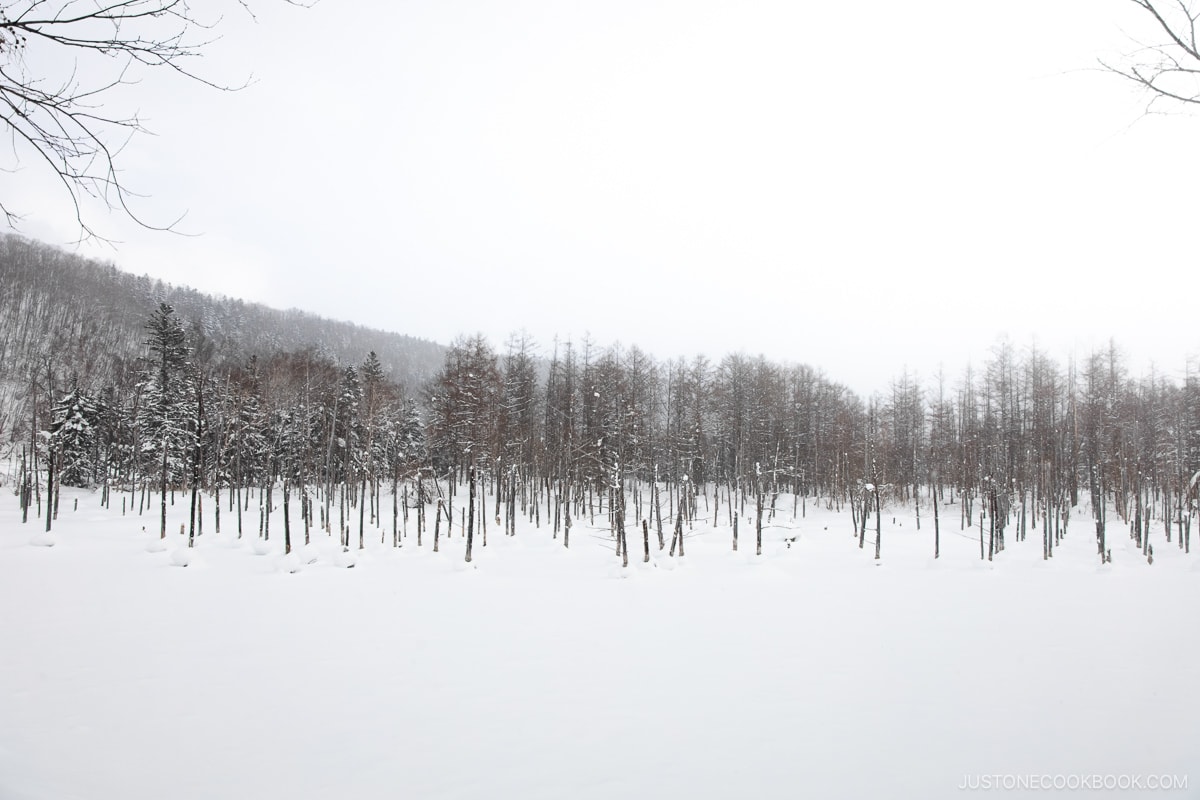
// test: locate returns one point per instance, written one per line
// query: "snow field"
(539, 672)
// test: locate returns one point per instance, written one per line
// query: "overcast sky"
(862, 186)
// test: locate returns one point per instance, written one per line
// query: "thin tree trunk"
(937, 541)
(287, 521)
(49, 487)
(362, 509)
(470, 512)
(437, 524)
(878, 524)
(163, 492)
(758, 501)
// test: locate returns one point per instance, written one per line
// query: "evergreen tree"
(165, 417)
(78, 422)
(348, 425)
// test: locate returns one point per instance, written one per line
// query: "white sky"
(857, 186)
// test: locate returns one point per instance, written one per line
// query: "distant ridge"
(86, 317)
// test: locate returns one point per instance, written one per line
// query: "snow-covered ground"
(539, 672)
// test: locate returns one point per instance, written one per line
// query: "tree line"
(74, 316)
(587, 430)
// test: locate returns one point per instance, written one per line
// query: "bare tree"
(60, 120)
(1167, 64)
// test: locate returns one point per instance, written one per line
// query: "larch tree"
(464, 398)
(520, 409)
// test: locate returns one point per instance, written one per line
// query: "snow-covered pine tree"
(166, 398)
(347, 431)
(77, 426)
(375, 395)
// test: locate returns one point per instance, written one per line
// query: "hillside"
(86, 318)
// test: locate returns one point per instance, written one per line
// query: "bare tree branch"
(1169, 70)
(61, 123)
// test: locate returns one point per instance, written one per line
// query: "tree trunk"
(470, 513)
(758, 520)
(937, 542)
(49, 487)
(362, 509)
(287, 521)
(878, 524)
(437, 524)
(163, 491)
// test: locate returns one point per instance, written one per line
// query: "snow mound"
(291, 563)
(156, 545)
(182, 556)
(309, 554)
(644, 566)
(345, 558)
(261, 547)
(42, 539)
(616, 572)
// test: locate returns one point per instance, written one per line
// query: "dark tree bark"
(758, 520)
(937, 541)
(162, 492)
(49, 488)
(287, 520)
(878, 523)
(470, 512)
(437, 524)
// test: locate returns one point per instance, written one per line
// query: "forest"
(1014, 444)
(67, 315)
